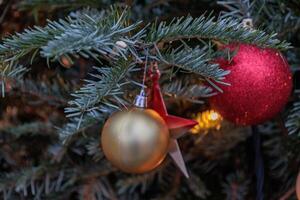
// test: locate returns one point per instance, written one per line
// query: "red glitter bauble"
(261, 83)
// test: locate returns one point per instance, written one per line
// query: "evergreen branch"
(30, 41)
(94, 150)
(34, 180)
(236, 186)
(10, 71)
(198, 187)
(192, 92)
(34, 128)
(45, 4)
(54, 92)
(78, 125)
(86, 33)
(41, 181)
(77, 175)
(89, 36)
(196, 60)
(97, 189)
(19, 180)
(278, 162)
(237, 8)
(282, 155)
(293, 121)
(130, 184)
(223, 30)
(96, 98)
(265, 14)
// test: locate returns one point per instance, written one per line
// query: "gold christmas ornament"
(135, 140)
(209, 119)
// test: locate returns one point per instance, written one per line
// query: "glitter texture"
(261, 83)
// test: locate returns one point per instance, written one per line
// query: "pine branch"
(45, 4)
(282, 155)
(97, 189)
(198, 187)
(293, 121)
(96, 98)
(27, 181)
(89, 33)
(237, 8)
(278, 162)
(90, 36)
(94, 150)
(236, 186)
(197, 60)
(30, 41)
(222, 140)
(54, 92)
(191, 92)
(48, 180)
(86, 33)
(272, 15)
(34, 128)
(10, 71)
(142, 182)
(223, 30)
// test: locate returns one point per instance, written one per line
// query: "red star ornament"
(177, 126)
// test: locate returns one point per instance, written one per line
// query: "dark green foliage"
(51, 118)
(293, 121)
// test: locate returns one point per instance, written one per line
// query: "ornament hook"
(141, 99)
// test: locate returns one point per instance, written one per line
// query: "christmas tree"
(139, 99)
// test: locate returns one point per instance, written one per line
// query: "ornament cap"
(141, 99)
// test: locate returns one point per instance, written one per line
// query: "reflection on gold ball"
(135, 141)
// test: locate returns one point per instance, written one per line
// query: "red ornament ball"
(261, 83)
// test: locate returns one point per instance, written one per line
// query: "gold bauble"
(136, 140)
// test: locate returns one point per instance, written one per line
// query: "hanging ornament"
(135, 140)
(177, 126)
(207, 120)
(261, 83)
